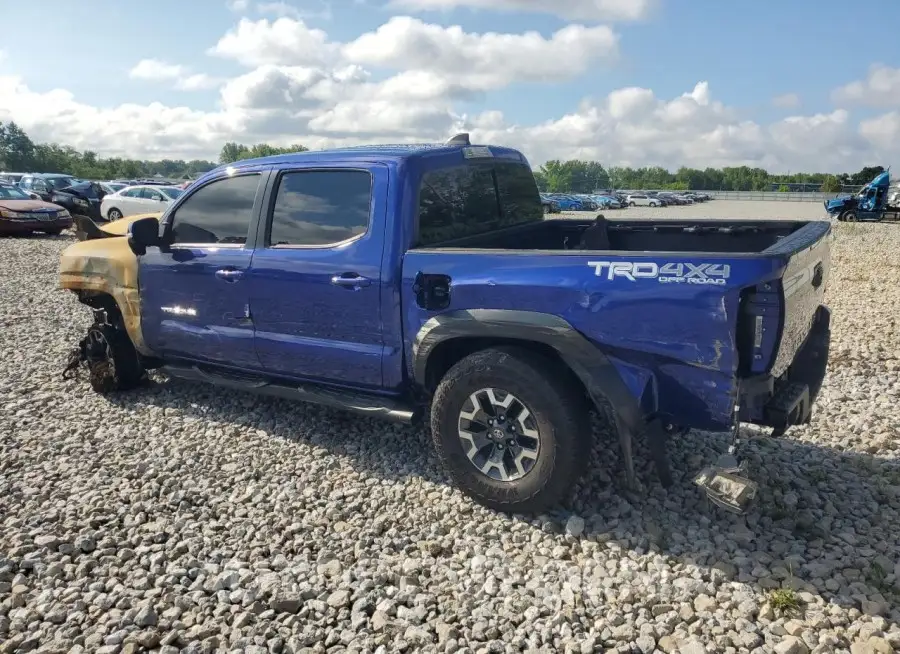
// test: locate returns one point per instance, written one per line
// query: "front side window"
(219, 212)
(321, 207)
(151, 194)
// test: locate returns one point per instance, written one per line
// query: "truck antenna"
(459, 139)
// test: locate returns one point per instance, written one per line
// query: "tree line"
(18, 153)
(576, 176)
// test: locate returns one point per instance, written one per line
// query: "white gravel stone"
(248, 524)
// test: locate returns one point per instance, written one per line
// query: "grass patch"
(784, 601)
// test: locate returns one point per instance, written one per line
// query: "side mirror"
(142, 234)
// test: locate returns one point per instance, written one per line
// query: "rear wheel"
(113, 214)
(512, 429)
(653, 204)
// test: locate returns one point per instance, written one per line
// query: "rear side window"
(219, 212)
(464, 201)
(519, 197)
(321, 207)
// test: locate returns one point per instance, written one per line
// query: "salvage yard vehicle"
(133, 200)
(870, 204)
(21, 214)
(398, 281)
(643, 200)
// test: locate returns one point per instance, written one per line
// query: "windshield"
(12, 193)
(172, 193)
(60, 182)
(113, 187)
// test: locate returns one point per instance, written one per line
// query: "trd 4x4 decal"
(667, 273)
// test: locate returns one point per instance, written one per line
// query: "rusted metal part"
(106, 266)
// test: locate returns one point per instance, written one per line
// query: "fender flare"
(599, 376)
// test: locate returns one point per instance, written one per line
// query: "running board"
(373, 406)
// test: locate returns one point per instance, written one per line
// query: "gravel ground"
(186, 518)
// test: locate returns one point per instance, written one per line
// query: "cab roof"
(393, 152)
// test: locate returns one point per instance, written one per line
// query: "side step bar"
(373, 406)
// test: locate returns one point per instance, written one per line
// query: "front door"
(316, 278)
(195, 296)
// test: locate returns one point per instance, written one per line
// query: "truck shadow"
(825, 528)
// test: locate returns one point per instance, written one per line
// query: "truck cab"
(869, 204)
(424, 281)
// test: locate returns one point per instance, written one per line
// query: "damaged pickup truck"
(405, 281)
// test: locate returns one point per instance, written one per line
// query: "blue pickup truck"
(411, 281)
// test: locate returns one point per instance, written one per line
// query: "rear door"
(316, 279)
(195, 299)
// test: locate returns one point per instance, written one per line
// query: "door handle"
(230, 275)
(351, 281)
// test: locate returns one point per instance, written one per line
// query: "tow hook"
(725, 482)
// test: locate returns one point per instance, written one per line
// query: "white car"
(137, 200)
(641, 200)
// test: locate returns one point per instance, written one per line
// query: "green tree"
(831, 184)
(16, 149)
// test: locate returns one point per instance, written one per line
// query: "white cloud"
(238, 5)
(156, 70)
(587, 10)
(786, 101)
(406, 81)
(881, 88)
(883, 132)
(482, 61)
(284, 41)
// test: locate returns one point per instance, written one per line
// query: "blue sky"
(748, 53)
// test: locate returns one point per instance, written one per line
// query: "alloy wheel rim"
(499, 434)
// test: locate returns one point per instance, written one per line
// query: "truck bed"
(661, 236)
(683, 310)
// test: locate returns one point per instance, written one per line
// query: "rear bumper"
(781, 402)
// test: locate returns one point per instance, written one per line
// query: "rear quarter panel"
(673, 342)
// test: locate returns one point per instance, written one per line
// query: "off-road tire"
(558, 406)
(126, 372)
(113, 214)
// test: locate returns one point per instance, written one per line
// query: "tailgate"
(779, 315)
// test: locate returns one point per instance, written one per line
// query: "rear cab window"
(474, 199)
(320, 208)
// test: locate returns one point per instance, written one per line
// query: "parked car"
(22, 214)
(566, 202)
(643, 200)
(80, 199)
(133, 200)
(607, 202)
(549, 204)
(44, 184)
(671, 198)
(112, 187)
(367, 280)
(12, 178)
